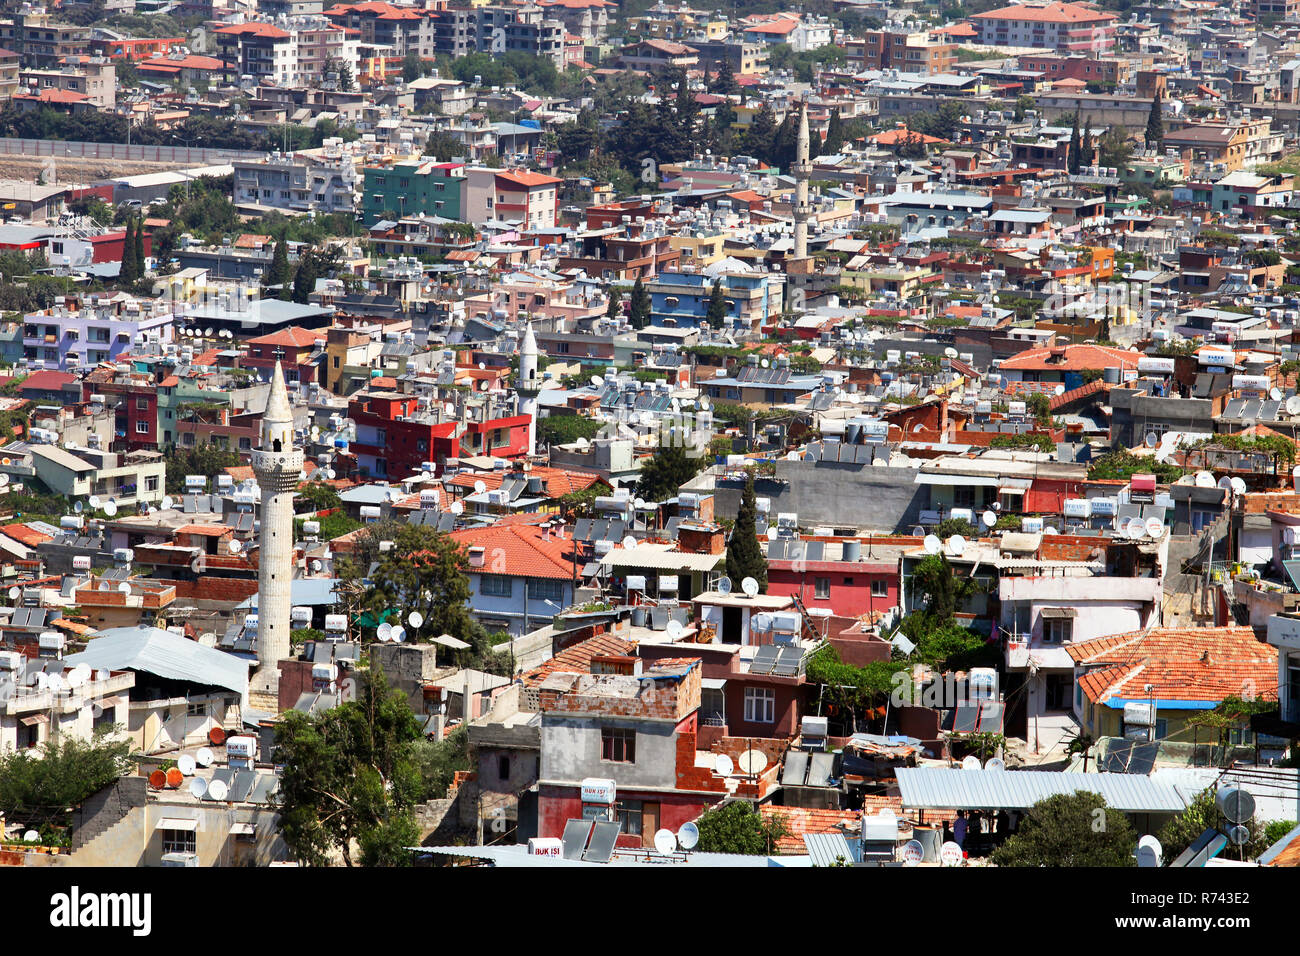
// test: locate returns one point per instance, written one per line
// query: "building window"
(1057, 630)
(546, 590)
(151, 483)
(760, 705)
(879, 589)
(180, 841)
(495, 585)
(617, 745)
(503, 767)
(628, 813)
(822, 588)
(196, 710)
(142, 428)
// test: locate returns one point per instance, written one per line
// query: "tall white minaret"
(802, 172)
(277, 465)
(529, 384)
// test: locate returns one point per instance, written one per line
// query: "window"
(760, 705)
(142, 428)
(546, 590)
(1057, 630)
(879, 589)
(822, 588)
(628, 813)
(151, 483)
(503, 767)
(180, 841)
(196, 710)
(617, 745)
(495, 585)
(963, 497)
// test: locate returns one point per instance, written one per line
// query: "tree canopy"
(39, 789)
(745, 556)
(738, 828)
(1070, 830)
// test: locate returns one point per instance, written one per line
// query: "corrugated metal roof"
(939, 788)
(824, 849)
(155, 651)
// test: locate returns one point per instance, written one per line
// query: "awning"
(177, 823)
(1059, 612)
(242, 829)
(959, 481)
(712, 683)
(446, 640)
(111, 702)
(1011, 490)
(35, 719)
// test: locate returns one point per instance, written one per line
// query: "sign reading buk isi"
(598, 790)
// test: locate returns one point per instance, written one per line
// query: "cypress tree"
(717, 314)
(278, 273)
(129, 271)
(745, 557)
(1072, 157)
(834, 135)
(639, 307)
(304, 280)
(615, 308)
(140, 259)
(1155, 125)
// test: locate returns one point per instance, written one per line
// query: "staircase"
(102, 811)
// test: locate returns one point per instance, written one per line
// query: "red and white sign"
(598, 790)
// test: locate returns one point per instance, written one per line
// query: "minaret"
(277, 465)
(529, 385)
(799, 261)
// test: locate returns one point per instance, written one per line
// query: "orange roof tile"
(1071, 358)
(521, 550)
(293, 336)
(577, 659)
(25, 534)
(559, 481)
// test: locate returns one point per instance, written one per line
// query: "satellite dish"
(204, 757)
(79, 675)
(629, 542)
(764, 363)
(1155, 527)
(94, 501)
(913, 853)
(639, 504)
(14, 592)
(995, 763)
(78, 507)
(236, 546)
(724, 586)
(198, 787)
(167, 502)
(42, 680)
(971, 762)
(753, 761)
(110, 507)
(31, 836)
(723, 766)
(1238, 486)
(772, 534)
(1293, 405)
(674, 629)
(1204, 479)
(665, 841)
(1151, 440)
(950, 352)
(1149, 852)
(957, 544)
(1135, 528)
(688, 836)
(989, 518)
(597, 381)
(384, 632)
(482, 366)
(1275, 394)
(1225, 483)
(415, 619)
(749, 586)
(399, 634)
(932, 544)
(950, 854)
(186, 765)
(479, 487)
(124, 587)
(217, 789)
(1050, 530)
(457, 507)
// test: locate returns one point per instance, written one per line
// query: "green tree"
(639, 306)
(426, 571)
(350, 777)
(760, 136)
(130, 271)
(665, 472)
(319, 496)
(1070, 830)
(304, 279)
(439, 760)
(205, 459)
(614, 310)
(724, 84)
(278, 271)
(140, 259)
(717, 314)
(40, 786)
(739, 828)
(1201, 814)
(834, 141)
(745, 557)
(1072, 157)
(1155, 124)
(412, 67)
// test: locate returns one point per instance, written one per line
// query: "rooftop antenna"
(724, 586)
(749, 586)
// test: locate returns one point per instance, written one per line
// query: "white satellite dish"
(639, 504)
(749, 586)
(204, 757)
(1238, 486)
(753, 761)
(1275, 394)
(1151, 440)
(597, 381)
(186, 765)
(79, 675)
(723, 766)
(13, 593)
(950, 352)
(1225, 483)
(913, 853)
(932, 544)
(674, 629)
(995, 763)
(773, 534)
(957, 545)
(236, 546)
(1149, 852)
(665, 841)
(1204, 479)
(479, 487)
(1293, 405)
(989, 518)
(688, 836)
(217, 789)
(724, 586)
(457, 507)
(167, 502)
(198, 787)
(94, 501)
(110, 507)
(629, 542)
(384, 632)
(1155, 527)
(971, 762)
(78, 507)
(1135, 528)
(399, 634)
(950, 854)
(31, 836)
(415, 619)
(124, 587)
(42, 680)
(1049, 530)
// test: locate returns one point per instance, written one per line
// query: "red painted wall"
(846, 599)
(557, 805)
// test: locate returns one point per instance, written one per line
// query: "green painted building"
(406, 189)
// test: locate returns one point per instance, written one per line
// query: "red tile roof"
(254, 30)
(1071, 358)
(577, 659)
(1204, 664)
(520, 550)
(558, 481)
(1067, 13)
(25, 534)
(523, 177)
(46, 380)
(292, 336)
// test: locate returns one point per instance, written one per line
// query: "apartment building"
(414, 187)
(901, 50)
(93, 77)
(1068, 27)
(41, 41)
(515, 195)
(321, 179)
